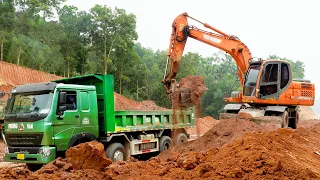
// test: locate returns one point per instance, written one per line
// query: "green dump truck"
(43, 120)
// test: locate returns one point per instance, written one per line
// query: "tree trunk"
(19, 53)
(1, 49)
(105, 54)
(120, 79)
(137, 90)
(68, 69)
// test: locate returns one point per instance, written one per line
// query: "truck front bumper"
(44, 156)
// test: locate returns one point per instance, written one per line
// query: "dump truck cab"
(37, 116)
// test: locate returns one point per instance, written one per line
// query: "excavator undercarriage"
(282, 116)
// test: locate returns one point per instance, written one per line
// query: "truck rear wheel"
(180, 138)
(115, 152)
(34, 167)
(285, 119)
(165, 143)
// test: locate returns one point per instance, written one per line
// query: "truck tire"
(34, 167)
(116, 152)
(179, 139)
(285, 119)
(165, 143)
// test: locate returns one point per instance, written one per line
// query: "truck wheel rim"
(118, 156)
(166, 146)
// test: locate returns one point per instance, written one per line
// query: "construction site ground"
(218, 149)
(230, 149)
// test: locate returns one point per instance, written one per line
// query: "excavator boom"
(181, 30)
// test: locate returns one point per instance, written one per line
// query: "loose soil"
(233, 148)
(223, 132)
(123, 103)
(196, 87)
(2, 146)
(203, 124)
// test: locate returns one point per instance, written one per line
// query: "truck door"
(67, 124)
(85, 115)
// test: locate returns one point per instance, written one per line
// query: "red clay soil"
(222, 133)
(281, 154)
(204, 124)
(12, 75)
(123, 103)
(196, 87)
(2, 146)
(88, 156)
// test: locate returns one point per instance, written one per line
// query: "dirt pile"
(88, 156)
(203, 124)
(2, 146)
(123, 103)
(12, 75)
(196, 87)
(280, 154)
(306, 113)
(222, 133)
(82, 161)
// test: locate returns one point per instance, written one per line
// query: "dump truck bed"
(128, 121)
(114, 121)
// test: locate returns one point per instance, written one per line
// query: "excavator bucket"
(187, 92)
(185, 97)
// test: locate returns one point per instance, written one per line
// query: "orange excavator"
(269, 92)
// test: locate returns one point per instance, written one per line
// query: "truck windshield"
(30, 103)
(251, 80)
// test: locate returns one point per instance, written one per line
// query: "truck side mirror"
(7, 105)
(62, 104)
(62, 108)
(62, 98)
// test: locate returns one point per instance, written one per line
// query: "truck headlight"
(45, 152)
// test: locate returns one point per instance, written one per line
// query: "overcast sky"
(285, 28)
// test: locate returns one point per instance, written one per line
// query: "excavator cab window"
(269, 81)
(251, 80)
(284, 75)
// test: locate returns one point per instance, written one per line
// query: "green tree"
(297, 66)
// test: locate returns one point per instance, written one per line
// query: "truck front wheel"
(115, 152)
(165, 143)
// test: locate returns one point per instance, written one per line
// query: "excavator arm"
(181, 30)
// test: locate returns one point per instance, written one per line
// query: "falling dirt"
(192, 98)
(196, 87)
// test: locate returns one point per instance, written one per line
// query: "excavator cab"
(267, 79)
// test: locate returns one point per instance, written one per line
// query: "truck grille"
(24, 139)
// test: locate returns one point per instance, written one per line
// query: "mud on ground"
(233, 149)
